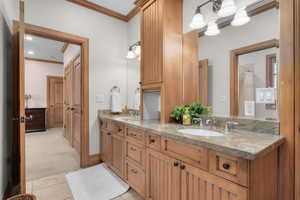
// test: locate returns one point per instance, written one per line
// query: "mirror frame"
(234, 54)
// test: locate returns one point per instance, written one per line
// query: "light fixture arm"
(216, 5)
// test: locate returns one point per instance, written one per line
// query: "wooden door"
(203, 82)
(197, 184)
(18, 118)
(68, 102)
(106, 147)
(76, 104)
(55, 101)
(118, 154)
(151, 71)
(163, 177)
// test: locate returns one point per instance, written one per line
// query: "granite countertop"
(242, 144)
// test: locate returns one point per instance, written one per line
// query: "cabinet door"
(151, 44)
(118, 154)
(197, 184)
(106, 147)
(163, 177)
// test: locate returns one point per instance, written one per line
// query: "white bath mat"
(96, 183)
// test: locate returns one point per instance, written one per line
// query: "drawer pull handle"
(108, 133)
(131, 134)
(176, 164)
(182, 167)
(152, 141)
(132, 149)
(119, 130)
(134, 171)
(226, 166)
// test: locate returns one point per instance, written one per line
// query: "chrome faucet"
(212, 122)
(229, 125)
(200, 120)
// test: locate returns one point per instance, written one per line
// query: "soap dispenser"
(186, 119)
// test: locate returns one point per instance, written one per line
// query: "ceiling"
(43, 48)
(120, 6)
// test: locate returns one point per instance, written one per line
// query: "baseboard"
(94, 160)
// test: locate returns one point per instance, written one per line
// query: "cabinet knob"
(152, 140)
(108, 133)
(176, 164)
(182, 167)
(119, 130)
(226, 166)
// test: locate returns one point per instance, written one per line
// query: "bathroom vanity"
(161, 163)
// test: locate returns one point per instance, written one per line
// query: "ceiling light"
(130, 54)
(241, 17)
(30, 52)
(28, 37)
(228, 8)
(212, 29)
(137, 50)
(198, 20)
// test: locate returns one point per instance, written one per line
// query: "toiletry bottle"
(186, 119)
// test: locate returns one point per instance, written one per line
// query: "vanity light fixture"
(222, 8)
(134, 51)
(228, 8)
(212, 29)
(198, 20)
(241, 17)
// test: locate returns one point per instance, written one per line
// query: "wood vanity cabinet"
(160, 168)
(112, 146)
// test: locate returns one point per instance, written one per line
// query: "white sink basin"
(200, 132)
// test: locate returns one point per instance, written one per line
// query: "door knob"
(176, 164)
(182, 167)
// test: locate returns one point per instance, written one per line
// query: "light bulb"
(30, 52)
(228, 8)
(137, 50)
(241, 17)
(212, 29)
(131, 54)
(28, 37)
(198, 20)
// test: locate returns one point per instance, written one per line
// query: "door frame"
(85, 158)
(48, 95)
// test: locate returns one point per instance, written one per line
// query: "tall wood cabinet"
(161, 58)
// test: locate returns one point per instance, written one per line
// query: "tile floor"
(56, 188)
(48, 158)
(49, 153)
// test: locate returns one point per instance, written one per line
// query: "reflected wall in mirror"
(254, 80)
(264, 26)
(133, 64)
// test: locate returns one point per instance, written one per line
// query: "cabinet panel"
(106, 146)
(197, 184)
(151, 43)
(135, 152)
(163, 177)
(118, 154)
(135, 177)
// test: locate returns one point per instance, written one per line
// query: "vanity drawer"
(135, 135)
(228, 167)
(196, 156)
(135, 153)
(136, 178)
(118, 129)
(153, 141)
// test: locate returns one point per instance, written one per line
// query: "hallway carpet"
(49, 153)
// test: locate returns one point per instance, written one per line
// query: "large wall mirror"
(239, 66)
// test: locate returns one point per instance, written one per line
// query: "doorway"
(54, 103)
